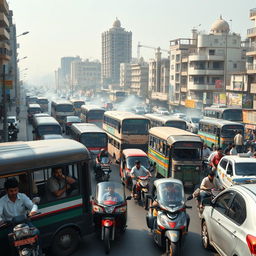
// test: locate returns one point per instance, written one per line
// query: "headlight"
(21, 231)
(25, 252)
(197, 168)
(109, 209)
(178, 168)
(163, 220)
(97, 208)
(121, 209)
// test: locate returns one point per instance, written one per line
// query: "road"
(137, 239)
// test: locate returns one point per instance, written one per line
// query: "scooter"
(142, 190)
(103, 171)
(23, 239)
(168, 220)
(12, 134)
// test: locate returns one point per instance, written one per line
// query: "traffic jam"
(84, 165)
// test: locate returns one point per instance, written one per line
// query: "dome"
(220, 26)
(117, 23)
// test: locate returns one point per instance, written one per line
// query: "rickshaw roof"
(172, 135)
(134, 152)
(166, 180)
(25, 155)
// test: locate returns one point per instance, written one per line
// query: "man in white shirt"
(206, 152)
(138, 170)
(14, 203)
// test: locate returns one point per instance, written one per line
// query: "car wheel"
(205, 236)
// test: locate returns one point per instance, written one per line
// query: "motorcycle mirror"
(188, 207)
(190, 197)
(128, 197)
(36, 200)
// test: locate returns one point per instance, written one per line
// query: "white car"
(236, 170)
(228, 222)
(180, 115)
(14, 120)
(162, 111)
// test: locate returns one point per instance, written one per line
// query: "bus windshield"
(34, 110)
(64, 108)
(233, 115)
(176, 124)
(186, 154)
(78, 104)
(42, 101)
(135, 126)
(131, 161)
(94, 140)
(230, 131)
(95, 115)
(49, 129)
(120, 94)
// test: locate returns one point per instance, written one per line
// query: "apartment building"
(125, 75)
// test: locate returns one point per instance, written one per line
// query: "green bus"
(176, 153)
(61, 221)
(218, 132)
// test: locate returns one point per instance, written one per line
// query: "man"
(14, 203)
(206, 152)
(214, 152)
(138, 170)
(239, 141)
(111, 195)
(103, 153)
(228, 148)
(58, 184)
(216, 159)
(207, 184)
(233, 150)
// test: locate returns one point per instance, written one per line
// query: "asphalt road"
(137, 239)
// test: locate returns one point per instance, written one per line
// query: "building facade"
(85, 75)
(116, 49)
(125, 75)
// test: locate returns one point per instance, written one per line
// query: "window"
(230, 169)
(223, 201)
(223, 164)
(237, 210)
(211, 52)
(234, 65)
(48, 186)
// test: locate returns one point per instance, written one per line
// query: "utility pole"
(5, 126)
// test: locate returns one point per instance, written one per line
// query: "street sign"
(8, 84)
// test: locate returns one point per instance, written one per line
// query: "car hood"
(244, 180)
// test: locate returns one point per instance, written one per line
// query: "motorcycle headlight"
(109, 209)
(25, 252)
(20, 232)
(97, 208)
(163, 220)
(121, 209)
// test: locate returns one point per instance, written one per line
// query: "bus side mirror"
(33, 131)
(119, 128)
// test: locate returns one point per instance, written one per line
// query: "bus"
(230, 114)
(77, 106)
(218, 132)
(60, 109)
(43, 102)
(45, 125)
(92, 114)
(170, 121)
(61, 221)
(249, 120)
(117, 96)
(90, 135)
(125, 130)
(33, 109)
(176, 153)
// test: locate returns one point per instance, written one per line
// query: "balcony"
(253, 88)
(3, 20)
(251, 69)
(4, 35)
(199, 57)
(253, 14)
(251, 32)
(183, 88)
(251, 51)
(202, 87)
(159, 96)
(203, 72)
(4, 7)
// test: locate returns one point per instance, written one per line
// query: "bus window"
(135, 126)
(185, 153)
(52, 187)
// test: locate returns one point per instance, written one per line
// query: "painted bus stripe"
(158, 160)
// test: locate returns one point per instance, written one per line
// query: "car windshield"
(73, 119)
(143, 159)
(135, 126)
(170, 194)
(195, 120)
(230, 131)
(233, 115)
(245, 169)
(94, 140)
(177, 124)
(109, 193)
(49, 129)
(186, 154)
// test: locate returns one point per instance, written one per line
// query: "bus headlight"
(178, 168)
(197, 168)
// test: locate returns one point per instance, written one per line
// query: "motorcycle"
(142, 190)
(23, 239)
(103, 170)
(167, 218)
(109, 211)
(12, 134)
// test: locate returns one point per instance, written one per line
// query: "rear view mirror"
(36, 200)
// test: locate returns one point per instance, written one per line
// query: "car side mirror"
(128, 197)
(207, 201)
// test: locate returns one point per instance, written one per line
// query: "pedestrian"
(216, 159)
(239, 141)
(228, 148)
(17, 111)
(214, 152)
(206, 152)
(250, 152)
(233, 150)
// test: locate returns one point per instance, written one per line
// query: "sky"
(59, 28)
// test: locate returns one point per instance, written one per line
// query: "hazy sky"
(73, 27)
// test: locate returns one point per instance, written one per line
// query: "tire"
(62, 247)
(107, 240)
(205, 236)
(174, 249)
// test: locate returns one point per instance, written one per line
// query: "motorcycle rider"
(207, 184)
(138, 170)
(14, 204)
(111, 195)
(103, 153)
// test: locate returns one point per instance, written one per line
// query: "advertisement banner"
(222, 98)
(235, 99)
(190, 104)
(218, 84)
(247, 101)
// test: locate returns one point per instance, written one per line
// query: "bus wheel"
(65, 242)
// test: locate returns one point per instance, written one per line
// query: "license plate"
(30, 240)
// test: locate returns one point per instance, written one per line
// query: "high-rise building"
(125, 75)
(116, 49)
(85, 75)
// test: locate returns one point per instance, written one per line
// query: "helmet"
(137, 162)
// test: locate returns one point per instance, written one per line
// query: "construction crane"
(149, 47)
